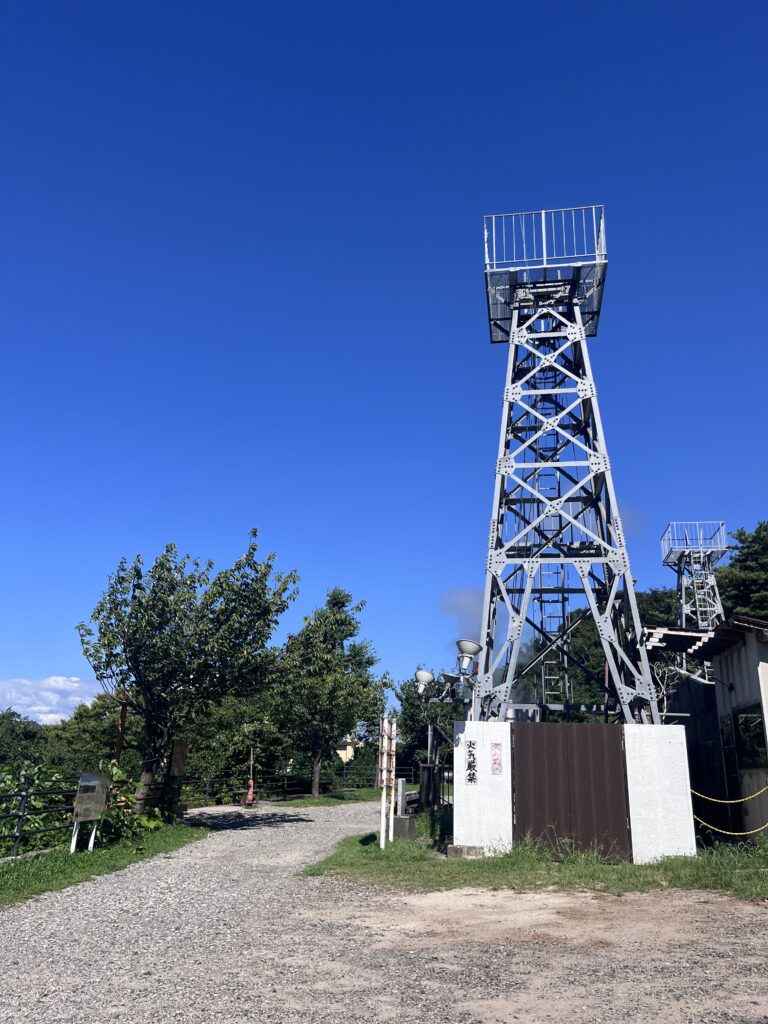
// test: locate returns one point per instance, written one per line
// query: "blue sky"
(241, 285)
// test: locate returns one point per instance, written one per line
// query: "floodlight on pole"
(468, 651)
(455, 687)
(424, 680)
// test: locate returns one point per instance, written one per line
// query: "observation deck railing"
(705, 537)
(545, 238)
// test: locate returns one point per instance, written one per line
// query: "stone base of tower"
(622, 789)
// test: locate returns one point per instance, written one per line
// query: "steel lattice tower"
(557, 553)
(693, 550)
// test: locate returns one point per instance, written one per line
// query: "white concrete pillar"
(482, 785)
(659, 791)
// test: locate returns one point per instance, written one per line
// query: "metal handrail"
(11, 794)
(272, 781)
(287, 784)
(679, 537)
(543, 238)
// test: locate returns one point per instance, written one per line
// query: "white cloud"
(51, 719)
(62, 683)
(46, 700)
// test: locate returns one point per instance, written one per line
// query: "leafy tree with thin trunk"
(222, 735)
(171, 639)
(325, 688)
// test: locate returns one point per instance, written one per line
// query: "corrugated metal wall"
(569, 782)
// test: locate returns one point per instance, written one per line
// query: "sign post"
(387, 741)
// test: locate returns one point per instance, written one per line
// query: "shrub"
(121, 821)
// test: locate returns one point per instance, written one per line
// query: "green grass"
(740, 870)
(26, 877)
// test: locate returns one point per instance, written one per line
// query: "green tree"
(90, 735)
(22, 742)
(414, 718)
(169, 640)
(325, 688)
(658, 606)
(221, 736)
(743, 582)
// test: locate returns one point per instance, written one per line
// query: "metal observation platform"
(556, 550)
(563, 250)
(704, 538)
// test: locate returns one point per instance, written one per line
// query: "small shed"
(725, 717)
(738, 651)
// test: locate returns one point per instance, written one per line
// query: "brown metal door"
(568, 783)
(597, 789)
(540, 781)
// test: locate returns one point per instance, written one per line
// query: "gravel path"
(223, 931)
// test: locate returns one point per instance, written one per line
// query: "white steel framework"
(557, 552)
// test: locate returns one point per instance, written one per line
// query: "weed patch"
(741, 870)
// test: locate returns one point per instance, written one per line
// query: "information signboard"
(91, 799)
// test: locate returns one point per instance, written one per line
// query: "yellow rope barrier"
(723, 832)
(740, 800)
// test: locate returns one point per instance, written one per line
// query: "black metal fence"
(31, 812)
(435, 786)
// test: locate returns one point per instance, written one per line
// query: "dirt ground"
(227, 930)
(580, 957)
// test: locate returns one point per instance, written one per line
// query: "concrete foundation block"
(404, 826)
(659, 791)
(464, 852)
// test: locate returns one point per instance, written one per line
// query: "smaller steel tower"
(693, 550)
